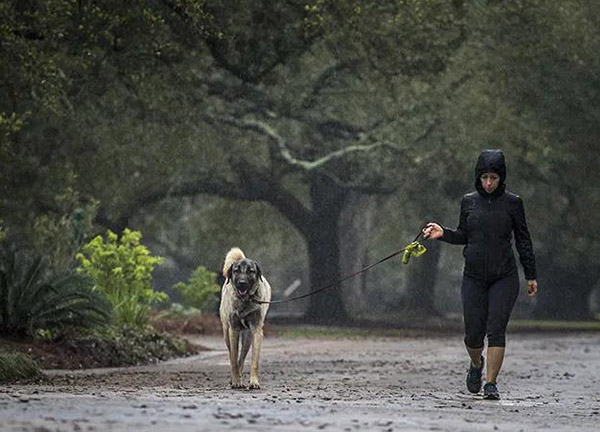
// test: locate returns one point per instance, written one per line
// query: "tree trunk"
(421, 280)
(564, 293)
(355, 227)
(327, 306)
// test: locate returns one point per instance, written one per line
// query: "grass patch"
(16, 366)
(335, 332)
(558, 326)
(452, 327)
(322, 332)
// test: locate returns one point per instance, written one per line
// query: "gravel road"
(549, 382)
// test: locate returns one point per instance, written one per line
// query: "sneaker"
(474, 377)
(490, 391)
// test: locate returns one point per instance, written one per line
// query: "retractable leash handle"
(413, 249)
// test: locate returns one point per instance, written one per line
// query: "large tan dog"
(241, 316)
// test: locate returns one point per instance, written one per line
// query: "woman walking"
(488, 219)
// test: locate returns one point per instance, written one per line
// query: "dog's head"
(245, 276)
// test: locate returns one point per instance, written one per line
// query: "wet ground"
(549, 382)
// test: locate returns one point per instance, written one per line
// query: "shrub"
(128, 346)
(17, 366)
(30, 300)
(122, 271)
(59, 235)
(200, 291)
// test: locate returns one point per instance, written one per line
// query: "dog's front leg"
(257, 338)
(236, 376)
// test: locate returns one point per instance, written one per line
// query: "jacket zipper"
(486, 239)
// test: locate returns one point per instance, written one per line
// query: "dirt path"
(550, 382)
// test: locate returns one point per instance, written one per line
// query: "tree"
(59, 53)
(304, 109)
(542, 60)
(311, 107)
(317, 104)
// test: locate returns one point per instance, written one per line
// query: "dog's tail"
(234, 254)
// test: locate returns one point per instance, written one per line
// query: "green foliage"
(410, 37)
(542, 89)
(60, 235)
(200, 290)
(322, 76)
(10, 124)
(16, 366)
(30, 300)
(44, 42)
(121, 269)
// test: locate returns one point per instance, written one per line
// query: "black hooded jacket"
(487, 223)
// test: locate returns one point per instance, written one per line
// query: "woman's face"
(490, 181)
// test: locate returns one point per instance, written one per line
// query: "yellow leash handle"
(414, 249)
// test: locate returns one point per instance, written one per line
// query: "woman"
(488, 219)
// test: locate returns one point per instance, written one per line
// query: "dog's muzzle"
(242, 290)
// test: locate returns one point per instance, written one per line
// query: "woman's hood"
(491, 161)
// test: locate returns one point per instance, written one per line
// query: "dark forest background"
(317, 135)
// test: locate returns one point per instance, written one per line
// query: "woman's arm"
(523, 241)
(459, 235)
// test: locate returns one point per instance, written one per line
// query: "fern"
(30, 300)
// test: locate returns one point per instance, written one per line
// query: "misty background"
(318, 136)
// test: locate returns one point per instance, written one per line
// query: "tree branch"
(366, 143)
(323, 81)
(286, 155)
(254, 185)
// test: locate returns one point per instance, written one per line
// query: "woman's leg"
(475, 308)
(495, 358)
(475, 355)
(474, 297)
(501, 300)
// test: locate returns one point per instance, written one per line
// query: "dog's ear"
(229, 274)
(258, 271)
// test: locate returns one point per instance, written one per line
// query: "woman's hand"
(433, 231)
(531, 287)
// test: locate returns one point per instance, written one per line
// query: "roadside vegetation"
(451, 326)
(16, 366)
(96, 311)
(121, 269)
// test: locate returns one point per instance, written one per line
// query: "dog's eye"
(251, 270)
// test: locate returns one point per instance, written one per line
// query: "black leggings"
(486, 309)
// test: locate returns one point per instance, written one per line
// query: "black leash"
(345, 278)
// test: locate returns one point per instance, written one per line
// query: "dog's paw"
(237, 385)
(254, 385)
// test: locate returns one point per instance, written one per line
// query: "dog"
(241, 316)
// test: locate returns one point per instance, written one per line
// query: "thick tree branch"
(286, 155)
(366, 143)
(208, 184)
(323, 81)
(253, 185)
